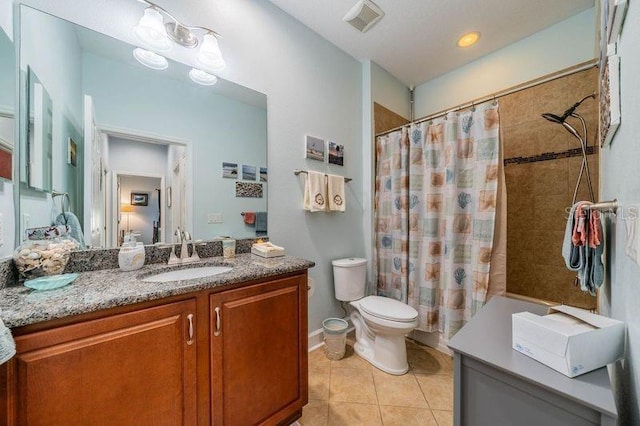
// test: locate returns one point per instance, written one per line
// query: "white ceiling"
(416, 39)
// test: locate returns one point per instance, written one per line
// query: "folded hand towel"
(249, 218)
(72, 221)
(7, 345)
(335, 192)
(315, 192)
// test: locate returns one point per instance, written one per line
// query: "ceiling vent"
(363, 15)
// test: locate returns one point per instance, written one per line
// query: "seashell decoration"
(36, 258)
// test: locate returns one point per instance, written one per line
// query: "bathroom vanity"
(113, 349)
(496, 385)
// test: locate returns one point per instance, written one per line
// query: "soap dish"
(50, 282)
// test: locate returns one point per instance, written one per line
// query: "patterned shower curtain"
(435, 207)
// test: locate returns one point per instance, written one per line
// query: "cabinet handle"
(190, 319)
(216, 332)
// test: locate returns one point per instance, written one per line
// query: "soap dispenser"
(131, 255)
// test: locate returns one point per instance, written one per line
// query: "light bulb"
(151, 32)
(150, 59)
(468, 39)
(209, 55)
(201, 77)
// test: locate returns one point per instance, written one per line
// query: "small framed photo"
(248, 172)
(315, 148)
(139, 199)
(336, 154)
(72, 153)
(609, 103)
(263, 174)
(229, 170)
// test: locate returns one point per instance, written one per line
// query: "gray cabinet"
(495, 385)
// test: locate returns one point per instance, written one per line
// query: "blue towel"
(585, 260)
(7, 345)
(72, 221)
(261, 222)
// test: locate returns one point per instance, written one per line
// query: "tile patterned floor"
(353, 392)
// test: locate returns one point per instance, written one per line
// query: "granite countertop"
(97, 290)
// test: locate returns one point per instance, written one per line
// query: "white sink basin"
(187, 274)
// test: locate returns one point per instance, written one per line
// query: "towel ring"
(65, 197)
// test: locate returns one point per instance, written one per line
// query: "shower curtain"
(435, 211)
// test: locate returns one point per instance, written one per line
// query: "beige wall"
(540, 192)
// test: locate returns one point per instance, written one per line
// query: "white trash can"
(335, 337)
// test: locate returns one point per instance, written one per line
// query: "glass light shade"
(209, 55)
(150, 59)
(151, 32)
(201, 77)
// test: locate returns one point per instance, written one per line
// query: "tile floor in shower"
(353, 392)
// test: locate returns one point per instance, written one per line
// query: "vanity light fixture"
(155, 34)
(150, 59)
(469, 39)
(151, 31)
(202, 77)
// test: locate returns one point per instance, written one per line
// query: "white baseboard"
(316, 338)
(433, 339)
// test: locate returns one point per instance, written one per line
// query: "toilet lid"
(389, 309)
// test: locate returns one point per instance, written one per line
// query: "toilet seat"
(387, 309)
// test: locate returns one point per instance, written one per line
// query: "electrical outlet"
(214, 218)
(26, 222)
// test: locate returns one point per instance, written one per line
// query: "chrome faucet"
(184, 239)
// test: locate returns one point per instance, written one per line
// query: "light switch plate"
(214, 218)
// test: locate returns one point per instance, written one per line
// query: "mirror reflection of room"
(7, 102)
(125, 114)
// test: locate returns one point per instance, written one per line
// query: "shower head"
(553, 118)
(561, 119)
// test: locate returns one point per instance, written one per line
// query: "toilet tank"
(349, 278)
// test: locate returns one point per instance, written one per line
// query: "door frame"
(113, 203)
(157, 139)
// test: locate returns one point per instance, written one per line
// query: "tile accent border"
(547, 156)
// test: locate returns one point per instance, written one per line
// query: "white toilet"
(381, 323)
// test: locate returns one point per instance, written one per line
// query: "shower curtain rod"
(550, 77)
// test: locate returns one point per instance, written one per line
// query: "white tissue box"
(569, 340)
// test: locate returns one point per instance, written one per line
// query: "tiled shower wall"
(539, 190)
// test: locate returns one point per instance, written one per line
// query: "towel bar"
(298, 171)
(611, 206)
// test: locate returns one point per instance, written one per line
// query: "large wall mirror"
(138, 151)
(7, 105)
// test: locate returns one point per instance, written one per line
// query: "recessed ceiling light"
(201, 77)
(150, 59)
(469, 39)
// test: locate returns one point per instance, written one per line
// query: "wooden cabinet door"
(136, 368)
(259, 353)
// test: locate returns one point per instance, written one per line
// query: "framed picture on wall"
(336, 153)
(72, 153)
(314, 148)
(609, 103)
(139, 199)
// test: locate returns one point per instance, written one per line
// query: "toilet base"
(388, 354)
